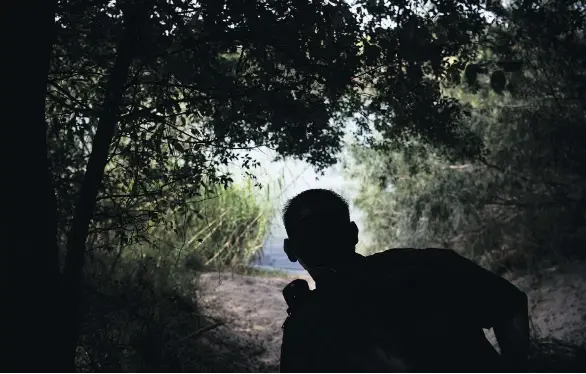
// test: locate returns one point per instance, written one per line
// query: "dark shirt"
(425, 308)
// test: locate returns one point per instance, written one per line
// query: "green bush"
(136, 319)
(521, 204)
(224, 228)
(140, 312)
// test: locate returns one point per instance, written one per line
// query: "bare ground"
(252, 311)
(557, 298)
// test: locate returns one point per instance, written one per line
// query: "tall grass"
(140, 311)
(224, 228)
(234, 227)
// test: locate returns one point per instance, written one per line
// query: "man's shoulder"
(437, 267)
(412, 251)
(423, 270)
(402, 258)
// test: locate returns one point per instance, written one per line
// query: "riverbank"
(250, 311)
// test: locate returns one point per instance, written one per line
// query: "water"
(274, 258)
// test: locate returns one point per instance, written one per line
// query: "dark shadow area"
(553, 355)
(136, 321)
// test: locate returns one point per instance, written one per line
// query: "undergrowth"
(140, 311)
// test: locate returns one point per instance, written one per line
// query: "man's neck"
(322, 274)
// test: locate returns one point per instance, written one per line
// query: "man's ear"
(354, 232)
(287, 247)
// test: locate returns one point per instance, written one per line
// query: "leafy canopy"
(209, 78)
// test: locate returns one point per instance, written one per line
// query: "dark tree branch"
(84, 208)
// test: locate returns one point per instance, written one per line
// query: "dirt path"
(557, 301)
(253, 310)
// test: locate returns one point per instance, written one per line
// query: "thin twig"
(203, 330)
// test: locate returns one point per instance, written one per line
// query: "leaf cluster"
(521, 203)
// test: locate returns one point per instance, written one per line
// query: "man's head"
(320, 232)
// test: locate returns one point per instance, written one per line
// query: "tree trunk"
(31, 275)
(134, 18)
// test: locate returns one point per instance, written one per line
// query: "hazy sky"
(299, 176)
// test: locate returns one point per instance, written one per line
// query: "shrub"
(140, 311)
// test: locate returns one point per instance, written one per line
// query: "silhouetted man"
(396, 311)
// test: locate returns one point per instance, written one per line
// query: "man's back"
(429, 306)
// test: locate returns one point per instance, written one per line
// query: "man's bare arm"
(499, 305)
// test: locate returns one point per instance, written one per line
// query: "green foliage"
(522, 202)
(208, 78)
(138, 319)
(175, 89)
(225, 228)
(148, 101)
(140, 311)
